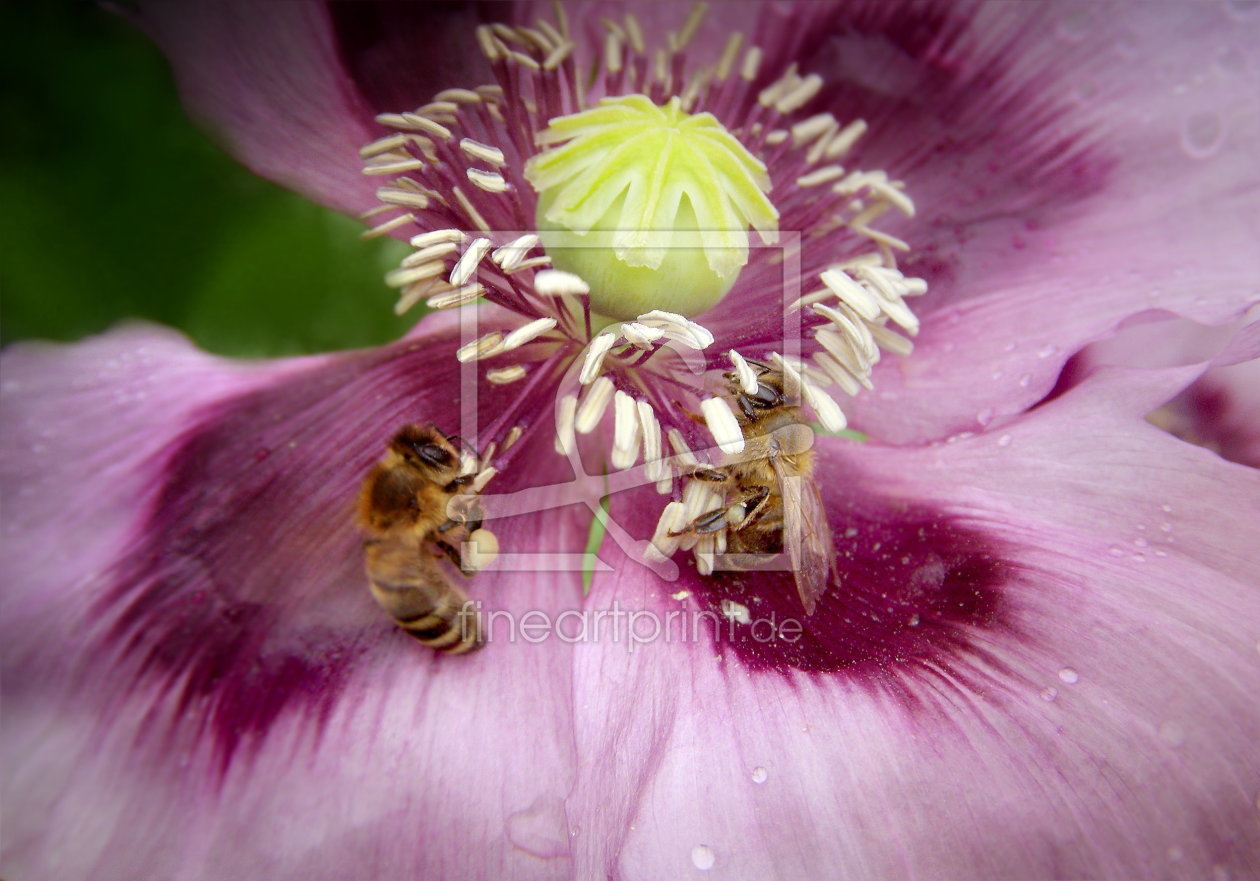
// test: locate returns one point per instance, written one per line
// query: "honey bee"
(416, 506)
(771, 504)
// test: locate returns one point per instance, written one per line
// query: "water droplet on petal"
(703, 857)
(760, 775)
(1025, 380)
(1047, 351)
(1202, 134)
(985, 416)
(1049, 693)
(1004, 441)
(1068, 676)
(1141, 542)
(1116, 551)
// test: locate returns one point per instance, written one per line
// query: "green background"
(114, 205)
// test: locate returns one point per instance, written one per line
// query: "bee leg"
(711, 521)
(752, 505)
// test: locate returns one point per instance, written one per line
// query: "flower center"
(649, 205)
(642, 181)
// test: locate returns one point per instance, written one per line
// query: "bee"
(416, 507)
(771, 504)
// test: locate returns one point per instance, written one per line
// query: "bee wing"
(806, 536)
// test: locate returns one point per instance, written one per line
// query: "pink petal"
(266, 77)
(1072, 165)
(1093, 722)
(197, 682)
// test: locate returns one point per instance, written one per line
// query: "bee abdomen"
(444, 619)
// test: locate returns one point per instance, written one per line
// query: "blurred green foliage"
(113, 205)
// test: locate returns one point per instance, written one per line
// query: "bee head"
(768, 396)
(425, 447)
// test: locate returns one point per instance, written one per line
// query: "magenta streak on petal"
(243, 588)
(402, 54)
(913, 582)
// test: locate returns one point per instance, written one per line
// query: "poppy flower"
(1036, 655)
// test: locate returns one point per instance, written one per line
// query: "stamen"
(663, 544)
(397, 278)
(482, 152)
(566, 442)
(722, 425)
(851, 293)
(752, 62)
(640, 334)
(558, 283)
(479, 348)
(479, 483)
(382, 145)
(467, 264)
(844, 141)
(595, 357)
(387, 227)
(432, 252)
(838, 374)
(688, 30)
(678, 328)
(473, 214)
(424, 240)
(747, 377)
(727, 59)
(819, 176)
(625, 431)
(593, 406)
(890, 341)
(526, 333)
(509, 256)
(489, 181)
(458, 297)
(682, 453)
(654, 465)
(512, 437)
(397, 166)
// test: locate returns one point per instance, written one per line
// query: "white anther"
(408, 198)
(432, 252)
(890, 341)
(387, 227)
(682, 453)
(792, 382)
(824, 407)
(526, 333)
(640, 334)
(558, 283)
(505, 375)
(838, 374)
(467, 264)
(845, 140)
(808, 129)
(396, 166)
(482, 152)
(458, 96)
(799, 95)
(598, 394)
(752, 61)
(437, 108)
(424, 124)
(528, 263)
(595, 353)
(382, 145)
(842, 351)
(426, 239)
(655, 468)
(852, 329)
(490, 181)
(722, 425)
(509, 256)
(479, 348)
(470, 209)
(861, 300)
(398, 278)
(414, 293)
(727, 59)
(482, 478)
(566, 442)
(736, 612)
(458, 297)
(747, 376)
(820, 176)
(678, 328)
(663, 544)
(625, 431)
